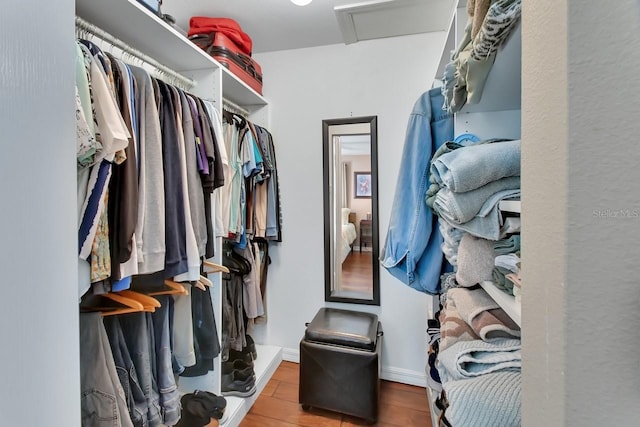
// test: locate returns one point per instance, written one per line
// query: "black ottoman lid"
(344, 327)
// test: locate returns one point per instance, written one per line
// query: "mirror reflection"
(350, 208)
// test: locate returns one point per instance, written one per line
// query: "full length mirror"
(351, 210)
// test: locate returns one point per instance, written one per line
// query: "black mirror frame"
(326, 159)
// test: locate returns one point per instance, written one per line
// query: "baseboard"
(399, 375)
(404, 376)
(291, 355)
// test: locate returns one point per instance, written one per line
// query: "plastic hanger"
(175, 288)
(215, 268)
(149, 303)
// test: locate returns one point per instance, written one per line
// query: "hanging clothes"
(411, 252)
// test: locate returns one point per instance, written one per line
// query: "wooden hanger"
(149, 303)
(215, 268)
(198, 284)
(128, 305)
(175, 288)
(205, 281)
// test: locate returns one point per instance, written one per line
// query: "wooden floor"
(357, 274)
(400, 405)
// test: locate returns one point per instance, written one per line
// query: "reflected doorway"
(351, 270)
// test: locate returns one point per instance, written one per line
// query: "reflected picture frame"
(362, 185)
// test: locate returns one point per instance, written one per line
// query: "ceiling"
(280, 25)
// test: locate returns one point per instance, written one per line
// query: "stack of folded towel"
(479, 361)
(468, 182)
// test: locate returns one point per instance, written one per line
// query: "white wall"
(38, 307)
(581, 213)
(304, 86)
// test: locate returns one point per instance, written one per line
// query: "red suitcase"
(225, 51)
(228, 26)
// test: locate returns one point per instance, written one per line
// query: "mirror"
(351, 268)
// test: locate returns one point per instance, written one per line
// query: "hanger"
(175, 288)
(149, 303)
(205, 281)
(198, 284)
(127, 305)
(215, 268)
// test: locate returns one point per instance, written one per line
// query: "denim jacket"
(412, 251)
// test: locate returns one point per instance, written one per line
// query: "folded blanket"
(508, 261)
(469, 359)
(486, 223)
(468, 168)
(483, 314)
(508, 245)
(452, 327)
(475, 260)
(491, 400)
(500, 280)
(458, 208)
(448, 147)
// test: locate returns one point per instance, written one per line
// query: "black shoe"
(243, 355)
(201, 367)
(251, 347)
(232, 386)
(199, 407)
(240, 369)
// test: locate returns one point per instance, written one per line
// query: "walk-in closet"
(562, 85)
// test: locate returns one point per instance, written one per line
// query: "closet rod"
(234, 108)
(184, 82)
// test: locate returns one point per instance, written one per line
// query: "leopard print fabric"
(497, 25)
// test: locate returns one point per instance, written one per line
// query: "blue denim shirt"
(412, 251)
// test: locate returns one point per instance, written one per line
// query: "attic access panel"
(373, 19)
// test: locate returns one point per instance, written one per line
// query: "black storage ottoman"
(340, 363)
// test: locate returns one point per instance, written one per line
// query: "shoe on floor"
(199, 407)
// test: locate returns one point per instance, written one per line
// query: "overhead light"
(301, 2)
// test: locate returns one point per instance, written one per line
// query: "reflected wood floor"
(401, 405)
(356, 272)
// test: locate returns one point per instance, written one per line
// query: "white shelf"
(135, 25)
(510, 206)
(269, 358)
(504, 300)
(502, 89)
(433, 409)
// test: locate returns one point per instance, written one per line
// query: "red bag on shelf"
(225, 51)
(227, 26)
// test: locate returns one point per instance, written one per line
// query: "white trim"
(291, 355)
(404, 376)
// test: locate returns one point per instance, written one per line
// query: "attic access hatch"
(373, 19)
